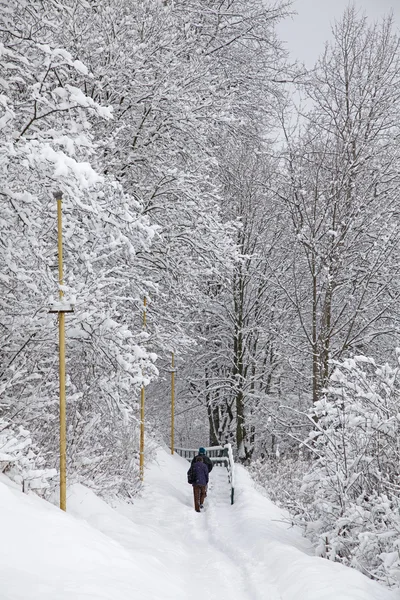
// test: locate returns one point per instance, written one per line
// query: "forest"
(254, 204)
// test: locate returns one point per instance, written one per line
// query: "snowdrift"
(158, 548)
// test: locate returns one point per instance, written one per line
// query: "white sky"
(305, 34)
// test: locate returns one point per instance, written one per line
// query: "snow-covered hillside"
(158, 548)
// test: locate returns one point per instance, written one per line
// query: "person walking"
(199, 479)
(206, 459)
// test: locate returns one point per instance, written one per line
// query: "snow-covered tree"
(353, 487)
(47, 144)
(241, 354)
(342, 198)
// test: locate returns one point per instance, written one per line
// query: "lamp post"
(61, 308)
(141, 446)
(172, 402)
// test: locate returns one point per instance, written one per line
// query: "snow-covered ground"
(158, 548)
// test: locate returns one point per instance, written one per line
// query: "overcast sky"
(306, 33)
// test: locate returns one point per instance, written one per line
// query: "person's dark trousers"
(199, 494)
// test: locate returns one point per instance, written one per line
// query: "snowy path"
(221, 527)
(190, 542)
(200, 547)
(159, 548)
(241, 552)
(210, 571)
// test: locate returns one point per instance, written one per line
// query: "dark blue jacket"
(201, 473)
(207, 461)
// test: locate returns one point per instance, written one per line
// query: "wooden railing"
(220, 455)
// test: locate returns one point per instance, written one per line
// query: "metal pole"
(61, 335)
(141, 450)
(172, 402)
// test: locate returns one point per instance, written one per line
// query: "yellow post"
(61, 333)
(172, 402)
(141, 448)
(141, 452)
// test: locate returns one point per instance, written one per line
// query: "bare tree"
(343, 198)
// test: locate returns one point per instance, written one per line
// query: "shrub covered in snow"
(19, 460)
(353, 488)
(282, 479)
(111, 469)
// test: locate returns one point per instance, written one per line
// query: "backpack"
(191, 475)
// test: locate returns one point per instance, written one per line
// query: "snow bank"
(158, 548)
(286, 558)
(46, 554)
